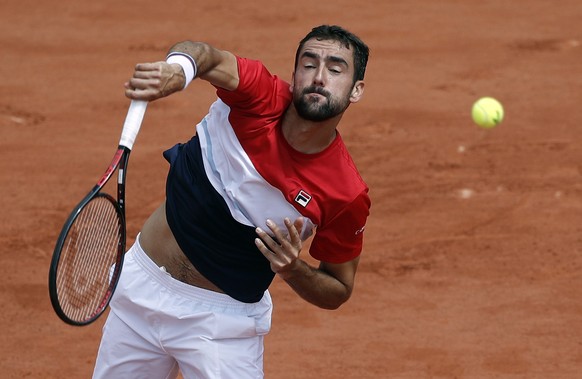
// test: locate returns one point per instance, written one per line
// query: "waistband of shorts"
(185, 290)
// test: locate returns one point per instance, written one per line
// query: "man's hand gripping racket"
(88, 256)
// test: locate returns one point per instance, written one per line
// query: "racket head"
(87, 260)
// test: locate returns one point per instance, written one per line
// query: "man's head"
(330, 64)
(347, 39)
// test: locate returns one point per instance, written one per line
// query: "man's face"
(323, 80)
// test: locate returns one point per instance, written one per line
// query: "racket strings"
(88, 258)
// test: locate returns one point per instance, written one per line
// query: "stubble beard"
(315, 108)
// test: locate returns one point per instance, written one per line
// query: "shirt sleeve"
(341, 240)
(259, 92)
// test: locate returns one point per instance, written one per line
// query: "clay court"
(473, 252)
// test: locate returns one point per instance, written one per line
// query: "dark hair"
(349, 40)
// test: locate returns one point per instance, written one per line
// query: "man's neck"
(308, 137)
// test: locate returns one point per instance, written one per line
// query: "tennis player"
(266, 170)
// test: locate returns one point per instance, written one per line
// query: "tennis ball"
(487, 112)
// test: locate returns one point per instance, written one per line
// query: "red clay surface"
(472, 263)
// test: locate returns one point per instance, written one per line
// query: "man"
(265, 170)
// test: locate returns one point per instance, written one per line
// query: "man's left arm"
(327, 286)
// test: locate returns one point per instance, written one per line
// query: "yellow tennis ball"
(487, 112)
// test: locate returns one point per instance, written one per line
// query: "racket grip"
(133, 122)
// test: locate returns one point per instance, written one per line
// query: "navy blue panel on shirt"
(221, 249)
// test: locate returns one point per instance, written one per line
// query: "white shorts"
(158, 326)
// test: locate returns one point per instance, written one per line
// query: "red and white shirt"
(260, 176)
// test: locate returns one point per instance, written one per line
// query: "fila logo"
(303, 198)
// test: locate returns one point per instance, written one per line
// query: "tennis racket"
(87, 260)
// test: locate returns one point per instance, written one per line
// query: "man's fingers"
(266, 240)
(261, 245)
(280, 236)
(154, 66)
(294, 229)
(283, 240)
(143, 83)
(147, 94)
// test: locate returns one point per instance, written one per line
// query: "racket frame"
(119, 161)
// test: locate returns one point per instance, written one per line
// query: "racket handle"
(133, 122)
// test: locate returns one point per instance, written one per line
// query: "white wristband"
(188, 65)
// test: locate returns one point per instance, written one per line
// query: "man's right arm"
(155, 80)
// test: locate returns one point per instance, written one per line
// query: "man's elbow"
(335, 302)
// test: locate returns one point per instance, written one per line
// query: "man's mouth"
(316, 91)
(315, 95)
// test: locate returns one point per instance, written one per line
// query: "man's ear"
(357, 91)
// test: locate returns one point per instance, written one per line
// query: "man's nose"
(319, 78)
